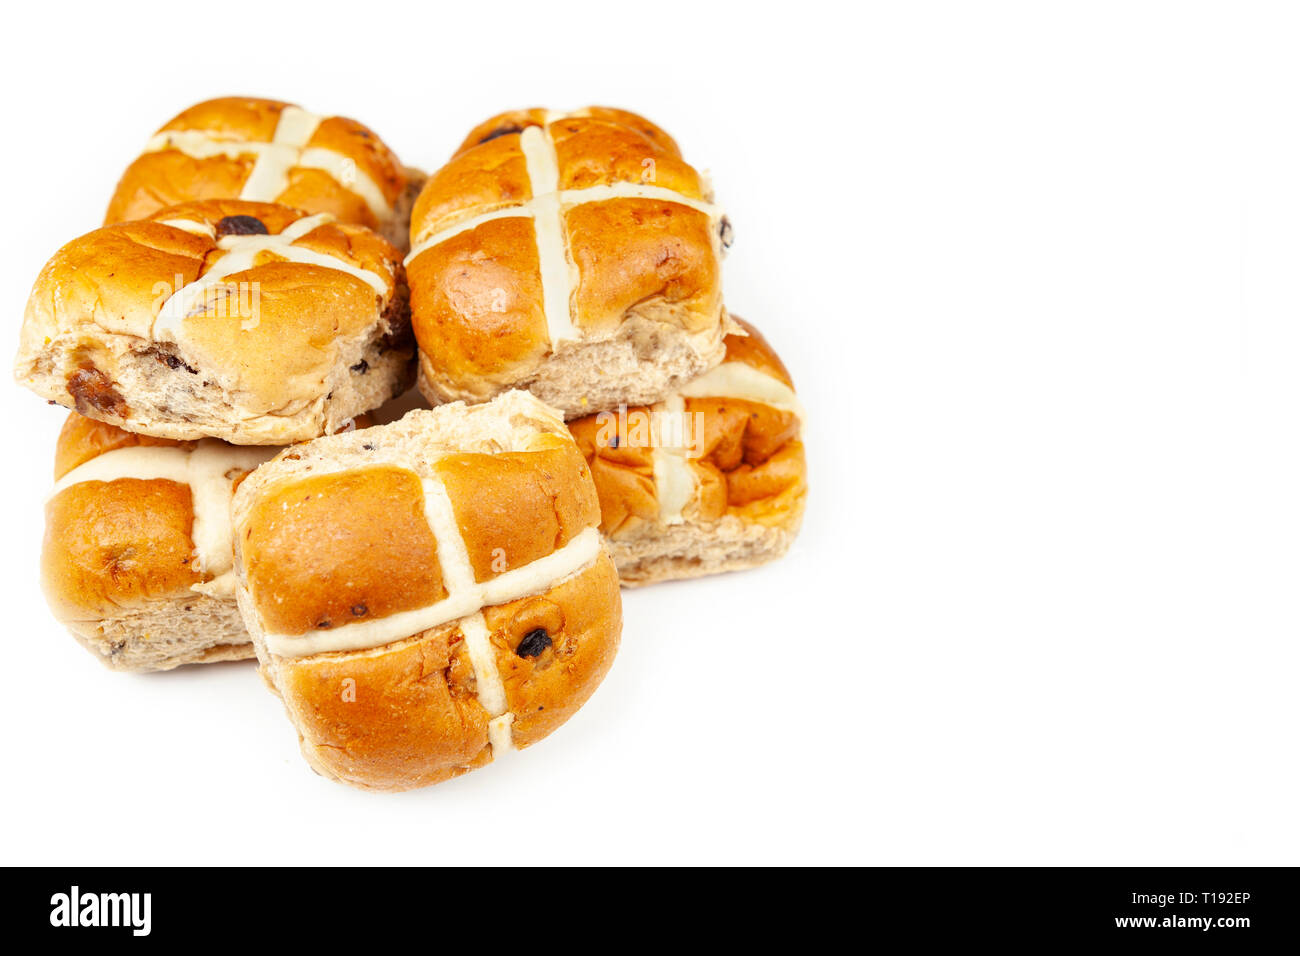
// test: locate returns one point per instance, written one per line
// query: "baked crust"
(450, 595)
(154, 326)
(117, 545)
(340, 547)
(580, 613)
(576, 255)
(210, 150)
(515, 508)
(138, 558)
(81, 439)
(408, 716)
(515, 121)
(119, 565)
(747, 474)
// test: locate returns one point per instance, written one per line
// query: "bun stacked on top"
(573, 254)
(250, 322)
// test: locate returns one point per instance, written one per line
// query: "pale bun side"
(189, 629)
(641, 362)
(690, 550)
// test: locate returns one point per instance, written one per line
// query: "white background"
(1036, 271)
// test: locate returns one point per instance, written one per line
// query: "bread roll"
(261, 150)
(138, 558)
(428, 595)
(713, 479)
(573, 254)
(138, 561)
(253, 323)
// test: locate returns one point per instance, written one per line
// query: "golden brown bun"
(118, 561)
(514, 121)
(210, 150)
(122, 566)
(415, 720)
(747, 471)
(278, 350)
(635, 303)
(292, 560)
(82, 439)
(135, 547)
(749, 346)
(368, 599)
(583, 614)
(518, 507)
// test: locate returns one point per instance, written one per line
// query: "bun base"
(643, 363)
(194, 629)
(687, 550)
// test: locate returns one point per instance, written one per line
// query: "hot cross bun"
(573, 254)
(263, 150)
(711, 479)
(431, 594)
(253, 323)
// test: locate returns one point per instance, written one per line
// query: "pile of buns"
(427, 592)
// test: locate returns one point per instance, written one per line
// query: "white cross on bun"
(426, 596)
(138, 557)
(239, 147)
(137, 561)
(711, 479)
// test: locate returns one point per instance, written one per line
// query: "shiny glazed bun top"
(135, 522)
(548, 233)
(264, 151)
(733, 449)
(250, 322)
(445, 570)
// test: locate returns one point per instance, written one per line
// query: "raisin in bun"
(138, 561)
(712, 479)
(253, 323)
(573, 254)
(428, 595)
(263, 150)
